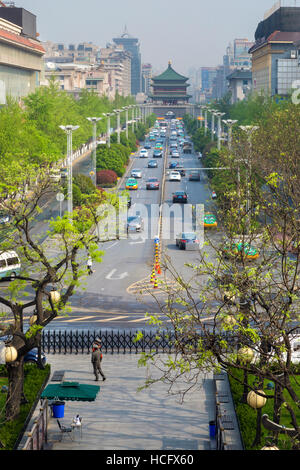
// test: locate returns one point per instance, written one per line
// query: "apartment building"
(21, 54)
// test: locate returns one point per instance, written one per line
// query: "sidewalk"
(121, 418)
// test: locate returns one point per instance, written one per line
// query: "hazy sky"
(190, 33)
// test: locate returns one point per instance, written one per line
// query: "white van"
(55, 174)
(10, 264)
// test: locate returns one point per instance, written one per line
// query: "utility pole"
(94, 121)
(69, 131)
(118, 111)
(249, 130)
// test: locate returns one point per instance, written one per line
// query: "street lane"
(126, 262)
(119, 293)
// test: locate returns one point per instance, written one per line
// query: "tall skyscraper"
(132, 45)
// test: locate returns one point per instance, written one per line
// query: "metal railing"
(36, 438)
(114, 342)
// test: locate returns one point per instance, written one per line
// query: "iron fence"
(114, 342)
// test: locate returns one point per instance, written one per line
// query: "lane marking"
(115, 278)
(78, 319)
(111, 319)
(114, 244)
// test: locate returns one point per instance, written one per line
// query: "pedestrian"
(90, 265)
(96, 361)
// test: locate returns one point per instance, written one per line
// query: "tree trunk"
(245, 388)
(15, 388)
(257, 439)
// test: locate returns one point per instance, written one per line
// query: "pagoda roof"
(167, 96)
(170, 75)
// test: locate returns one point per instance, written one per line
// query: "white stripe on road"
(76, 319)
(114, 244)
(111, 319)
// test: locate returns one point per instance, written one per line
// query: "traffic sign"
(60, 197)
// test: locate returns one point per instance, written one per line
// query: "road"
(119, 293)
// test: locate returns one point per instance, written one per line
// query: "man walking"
(90, 265)
(96, 361)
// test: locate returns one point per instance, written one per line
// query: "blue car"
(147, 145)
(32, 357)
(152, 164)
(173, 165)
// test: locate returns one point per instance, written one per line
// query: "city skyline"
(163, 31)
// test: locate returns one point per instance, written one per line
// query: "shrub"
(106, 177)
(84, 183)
(34, 379)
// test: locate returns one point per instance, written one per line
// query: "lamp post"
(136, 116)
(249, 130)
(229, 123)
(94, 121)
(132, 117)
(69, 131)
(201, 116)
(126, 119)
(205, 119)
(213, 114)
(118, 111)
(220, 115)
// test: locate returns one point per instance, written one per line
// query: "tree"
(237, 311)
(41, 272)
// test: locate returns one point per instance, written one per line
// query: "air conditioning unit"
(293, 54)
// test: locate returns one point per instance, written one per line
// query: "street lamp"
(205, 118)
(126, 119)
(69, 131)
(229, 123)
(220, 115)
(201, 116)
(249, 130)
(213, 114)
(108, 115)
(118, 111)
(94, 121)
(132, 116)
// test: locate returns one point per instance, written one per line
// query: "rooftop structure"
(169, 88)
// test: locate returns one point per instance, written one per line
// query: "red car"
(152, 183)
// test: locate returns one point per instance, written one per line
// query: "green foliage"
(84, 183)
(247, 415)
(114, 158)
(34, 379)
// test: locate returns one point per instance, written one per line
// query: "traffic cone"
(158, 269)
(155, 284)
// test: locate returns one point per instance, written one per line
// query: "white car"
(136, 173)
(175, 176)
(144, 153)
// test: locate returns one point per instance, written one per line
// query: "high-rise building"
(276, 52)
(132, 45)
(21, 67)
(242, 58)
(208, 74)
(116, 60)
(146, 78)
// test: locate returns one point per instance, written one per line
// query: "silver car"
(187, 241)
(136, 173)
(135, 223)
